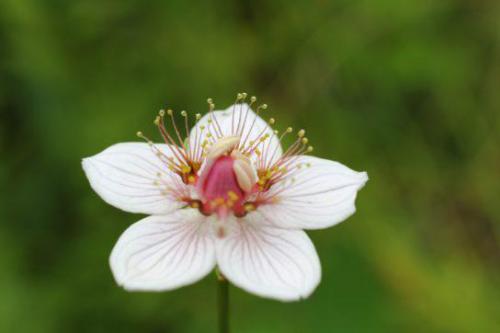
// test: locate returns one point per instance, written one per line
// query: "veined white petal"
(164, 252)
(124, 176)
(239, 119)
(267, 261)
(320, 194)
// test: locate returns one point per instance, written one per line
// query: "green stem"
(223, 303)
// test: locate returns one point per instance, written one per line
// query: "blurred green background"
(406, 90)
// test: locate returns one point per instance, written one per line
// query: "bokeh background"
(406, 90)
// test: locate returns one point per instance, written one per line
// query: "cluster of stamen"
(192, 153)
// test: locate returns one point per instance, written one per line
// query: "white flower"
(224, 195)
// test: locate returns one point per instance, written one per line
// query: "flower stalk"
(223, 303)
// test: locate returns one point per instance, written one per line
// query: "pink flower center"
(220, 190)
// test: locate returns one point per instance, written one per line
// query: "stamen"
(211, 107)
(284, 167)
(266, 148)
(238, 96)
(176, 151)
(241, 97)
(253, 99)
(171, 114)
(160, 155)
(187, 141)
(249, 207)
(261, 107)
(287, 131)
(197, 138)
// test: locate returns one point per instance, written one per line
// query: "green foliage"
(406, 90)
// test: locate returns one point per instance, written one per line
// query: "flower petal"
(320, 194)
(164, 252)
(251, 127)
(124, 176)
(270, 262)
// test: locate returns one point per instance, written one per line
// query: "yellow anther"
(157, 121)
(239, 96)
(253, 99)
(185, 169)
(198, 116)
(194, 204)
(249, 207)
(263, 106)
(170, 112)
(232, 196)
(310, 149)
(301, 133)
(191, 179)
(219, 201)
(183, 113)
(305, 141)
(161, 113)
(289, 130)
(257, 152)
(272, 121)
(210, 101)
(139, 134)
